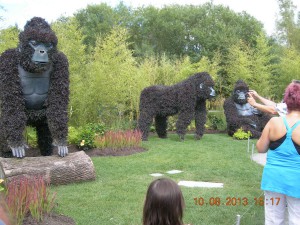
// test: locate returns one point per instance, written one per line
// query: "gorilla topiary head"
(205, 88)
(240, 92)
(37, 43)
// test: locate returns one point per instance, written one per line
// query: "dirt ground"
(53, 219)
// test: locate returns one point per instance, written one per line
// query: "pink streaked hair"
(292, 96)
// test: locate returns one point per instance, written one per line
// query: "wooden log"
(75, 167)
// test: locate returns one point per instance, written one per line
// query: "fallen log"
(75, 167)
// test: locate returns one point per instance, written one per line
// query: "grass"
(117, 195)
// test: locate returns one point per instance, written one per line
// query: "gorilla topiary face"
(37, 43)
(206, 89)
(240, 92)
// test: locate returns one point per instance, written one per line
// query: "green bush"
(240, 134)
(87, 134)
(31, 138)
(172, 123)
(73, 135)
(216, 120)
(152, 128)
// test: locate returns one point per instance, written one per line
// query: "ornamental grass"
(119, 139)
(28, 196)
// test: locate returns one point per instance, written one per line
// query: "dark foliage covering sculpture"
(240, 114)
(187, 98)
(34, 90)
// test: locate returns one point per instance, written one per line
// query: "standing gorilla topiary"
(34, 90)
(187, 98)
(240, 114)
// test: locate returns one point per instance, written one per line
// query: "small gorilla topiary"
(187, 98)
(240, 114)
(34, 90)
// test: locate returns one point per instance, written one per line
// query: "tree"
(251, 65)
(113, 80)
(239, 64)
(261, 66)
(70, 42)
(99, 19)
(195, 31)
(95, 20)
(287, 70)
(288, 29)
(9, 38)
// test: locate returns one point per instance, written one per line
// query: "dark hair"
(292, 96)
(164, 203)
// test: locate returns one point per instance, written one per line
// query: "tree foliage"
(111, 79)
(8, 38)
(251, 65)
(70, 42)
(99, 19)
(114, 53)
(288, 26)
(287, 69)
(174, 30)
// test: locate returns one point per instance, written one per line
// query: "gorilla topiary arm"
(57, 107)
(12, 106)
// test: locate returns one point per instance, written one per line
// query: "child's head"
(164, 203)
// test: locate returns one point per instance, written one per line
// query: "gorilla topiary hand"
(62, 150)
(19, 151)
(251, 123)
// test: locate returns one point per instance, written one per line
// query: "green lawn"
(117, 195)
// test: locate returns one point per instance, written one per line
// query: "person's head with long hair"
(292, 96)
(164, 203)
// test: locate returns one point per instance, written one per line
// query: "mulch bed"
(52, 219)
(34, 152)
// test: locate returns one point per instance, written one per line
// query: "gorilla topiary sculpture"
(187, 98)
(34, 90)
(240, 114)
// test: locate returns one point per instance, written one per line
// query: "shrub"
(240, 134)
(216, 121)
(28, 195)
(31, 137)
(119, 139)
(87, 134)
(73, 135)
(172, 123)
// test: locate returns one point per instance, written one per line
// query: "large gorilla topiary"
(34, 90)
(240, 114)
(186, 98)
